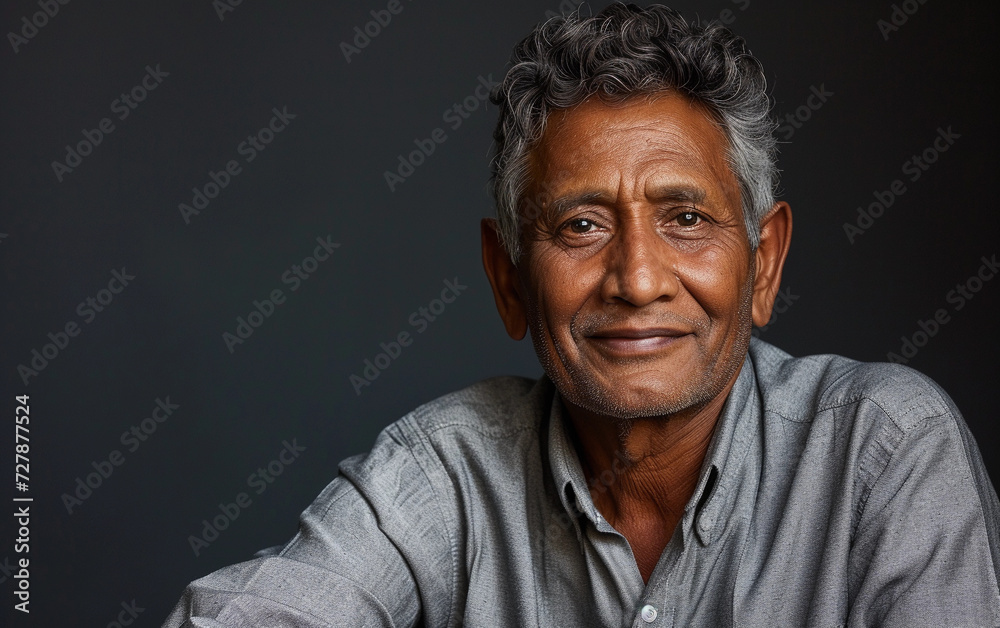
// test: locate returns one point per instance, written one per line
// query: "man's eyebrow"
(559, 206)
(677, 193)
(666, 193)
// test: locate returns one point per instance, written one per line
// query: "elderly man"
(667, 470)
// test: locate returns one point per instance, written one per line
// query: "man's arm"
(926, 548)
(374, 549)
(339, 570)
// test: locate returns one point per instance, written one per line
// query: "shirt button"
(648, 614)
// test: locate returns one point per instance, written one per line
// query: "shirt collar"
(566, 469)
(710, 504)
(725, 467)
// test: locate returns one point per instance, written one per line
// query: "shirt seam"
(892, 416)
(298, 533)
(902, 433)
(296, 609)
(500, 433)
(980, 507)
(978, 489)
(940, 407)
(423, 437)
(298, 538)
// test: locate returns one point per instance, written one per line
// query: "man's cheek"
(718, 271)
(710, 282)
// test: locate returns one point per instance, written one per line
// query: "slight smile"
(632, 342)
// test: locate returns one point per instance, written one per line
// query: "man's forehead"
(662, 146)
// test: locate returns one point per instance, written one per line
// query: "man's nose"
(640, 267)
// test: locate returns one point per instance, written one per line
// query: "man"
(667, 470)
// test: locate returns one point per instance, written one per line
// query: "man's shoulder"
(799, 388)
(473, 425)
(495, 406)
(428, 470)
(841, 418)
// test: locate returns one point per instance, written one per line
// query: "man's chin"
(627, 402)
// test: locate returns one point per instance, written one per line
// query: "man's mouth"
(631, 341)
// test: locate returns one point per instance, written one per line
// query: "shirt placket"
(655, 609)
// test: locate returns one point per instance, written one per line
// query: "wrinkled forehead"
(644, 142)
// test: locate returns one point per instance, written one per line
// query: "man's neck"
(642, 473)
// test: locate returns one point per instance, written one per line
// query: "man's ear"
(503, 278)
(775, 238)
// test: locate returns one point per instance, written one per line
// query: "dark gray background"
(162, 336)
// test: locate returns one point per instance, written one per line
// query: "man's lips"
(634, 341)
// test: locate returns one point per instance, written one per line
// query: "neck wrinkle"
(648, 472)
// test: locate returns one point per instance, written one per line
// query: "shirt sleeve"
(339, 570)
(925, 552)
(372, 550)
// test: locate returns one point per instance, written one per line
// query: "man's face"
(637, 277)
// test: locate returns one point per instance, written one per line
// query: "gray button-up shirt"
(833, 493)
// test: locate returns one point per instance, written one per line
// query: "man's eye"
(580, 225)
(688, 219)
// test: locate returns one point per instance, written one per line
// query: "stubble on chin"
(582, 386)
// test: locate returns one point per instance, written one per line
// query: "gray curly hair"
(621, 52)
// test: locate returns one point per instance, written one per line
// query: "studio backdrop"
(240, 238)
